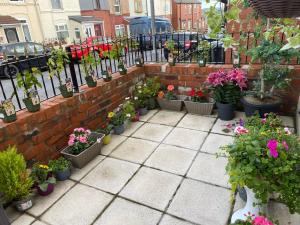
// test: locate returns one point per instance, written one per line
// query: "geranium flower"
(192, 93)
(83, 139)
(71, 142)
(199, 93)
(285, 145)
(170, 87)
(261, 220)
(161, 94)
(240, 130)
(272, 145)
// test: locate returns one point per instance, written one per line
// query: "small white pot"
(251, 206)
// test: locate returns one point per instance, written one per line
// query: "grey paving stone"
(127, 213)
(197, 122)
(201, 203)
(210, 169)
(186, 138)
(132, 127)
(41, 204)
(110, 175)
(153, 132)
(38, 223)
(225, 127)
(78, 174)
(171, 159)
(80, 206)
(213, 143)
(151, 187)
(169, 220)
(170, 118)
(23, 220)
(115, 141)
(281, 213)
(134, 150)
(288, 121)
(148, 115)
(12, 213)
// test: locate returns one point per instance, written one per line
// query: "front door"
(11, 35)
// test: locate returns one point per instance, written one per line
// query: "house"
(162, 8)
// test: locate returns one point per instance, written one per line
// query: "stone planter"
(225, 111)
(31, 105)
(200, 108)
(87, 155)
(143, 111)
(23, 205)
(63, 175)
(174, 105)
(49, 190)
(119, 130)
(65, 92)
(90, 81)
(107, 139)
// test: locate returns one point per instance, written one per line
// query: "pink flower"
(264, 120)
(71, 142)
(285, 145)
(261, 220)
(82, 139)
(88, 132)
(272, 145)
(240, 130)
(287, 131)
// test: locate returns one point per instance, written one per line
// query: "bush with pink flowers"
(258, 220)
(80, 140)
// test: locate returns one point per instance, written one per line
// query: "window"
(26, 32)
(117, 6)
(138, 6)
(98, 4)
(120, 30)
(77, 33)
(62, 31)
(189, 24)
(56, 4)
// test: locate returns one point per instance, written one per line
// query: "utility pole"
(152, 23)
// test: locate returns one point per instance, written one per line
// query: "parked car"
(21, 56)
(91, 44)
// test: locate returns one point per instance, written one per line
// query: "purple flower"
(285, 145)
(242, 122)
(264, 120)
(272, 145)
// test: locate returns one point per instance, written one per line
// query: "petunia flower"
(285, 145)
(272, 145)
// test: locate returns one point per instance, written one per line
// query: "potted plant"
(61, 168)
(89, 63)
(198, 103)
(7, 108)
(27, 81)
(141, 94)
(15, 180)
(56, 64)
(106, 75)
(122, 67)
(129, 110)
(139, 62)
(226, 88)
(106, 130)
(203, 53)
(117, 119)
(254, 220)
(264, 159)
(169, 52)
(44, 179)
(83, 146)
(152, 87)
(169, 100)
(116, 53)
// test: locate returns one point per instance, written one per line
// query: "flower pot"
(253, 105)
(200, 108)
(87, 155)
(174, 105)
(139, 62)
(151, 103)
(122, 70)
(90, 81)
(64, 91)
(225, 111)
(251, 206)
(107, 79)
(23, 205)
(31, 106)
(143, 111)
(119, 130)
(136, 118)
(107, 139)
(3, 217)
(49, 190)
(63, 175)
(106, 76)
(10, 118)
(202, 62)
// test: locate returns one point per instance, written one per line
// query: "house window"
(26, 32)
(120, 30)
(77, 33)
(117, 6)
(56, 4)
(138, 7)
(62, 31)
(98, 4)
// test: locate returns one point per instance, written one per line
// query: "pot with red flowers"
(265, 159)
(169, 100)
(44, 179)
(198, 102)
(226, 88)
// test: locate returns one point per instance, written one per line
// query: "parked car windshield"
(19, 48)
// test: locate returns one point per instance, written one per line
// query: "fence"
(185, 44)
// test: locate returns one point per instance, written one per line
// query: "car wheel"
(11, 71)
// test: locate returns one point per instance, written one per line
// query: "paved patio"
(162, 170)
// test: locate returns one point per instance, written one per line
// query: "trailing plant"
(80, 140)
(28, 80)
(15, 180)
(42, 175)
(88, 63)
(59, 165)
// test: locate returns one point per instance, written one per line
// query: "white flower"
(287, 131)
(128, 115)
(127, 98)
(99, 140)
(136, 98)
(140, 91)
(145, 85)
(139, 87)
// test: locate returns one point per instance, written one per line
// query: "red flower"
(170, 87)
(192, 93)
(199, 93)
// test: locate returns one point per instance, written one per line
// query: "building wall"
(23, 11)
(133, 10)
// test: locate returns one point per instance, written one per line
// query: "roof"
(81, 19)
(188, 1)
(6, 20)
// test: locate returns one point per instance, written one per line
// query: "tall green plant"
(15, 181)
(56, 63)
(28, 80)
(88, 63)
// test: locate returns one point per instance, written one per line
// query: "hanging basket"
(277, 8)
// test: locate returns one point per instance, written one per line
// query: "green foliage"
(117, 118)
(215, 21)
(88, 64)
(56, 63)
(203, 49)
(15, 182)
(170, 45)
(42, 176)
(59, 165)
(116, 51)
(228, 93)
(105, 129)
(28, 80)
(141, 95)
(153, 85)
(251, 163)
(129, 109)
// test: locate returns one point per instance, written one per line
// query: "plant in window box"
(56, 64)
(27, 81)
(7, 108)
(117, 119)
(89, 63)
(83, 146)
(106, 129)
(199, 103)
(169, 100)
(107, 75)
(226, 88)
(141, 96)
(203, 53)
(15, 179)
(44, 179)
(61, 168)
(152, 85)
